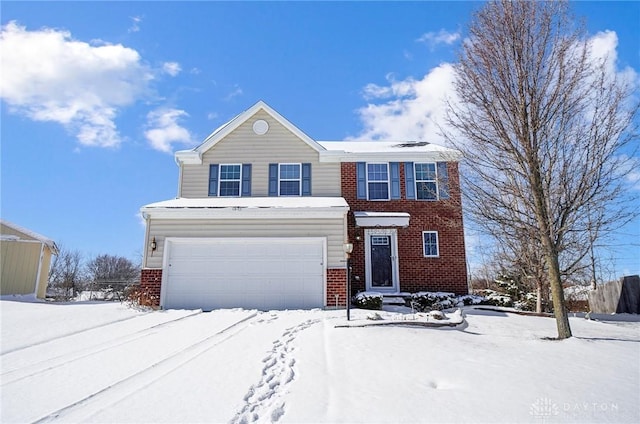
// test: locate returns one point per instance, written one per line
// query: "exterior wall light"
(154, 245)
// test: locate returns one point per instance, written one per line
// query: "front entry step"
(393, 299)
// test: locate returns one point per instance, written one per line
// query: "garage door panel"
(274, 273)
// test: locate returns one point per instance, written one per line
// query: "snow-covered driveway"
(104, 362)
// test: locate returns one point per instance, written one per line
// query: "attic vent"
(412, 144)
(260, 127)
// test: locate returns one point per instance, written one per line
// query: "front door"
(381, 246)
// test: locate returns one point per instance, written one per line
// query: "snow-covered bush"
(494, 298)
(429, 301)
(368, 300)
(470, 299)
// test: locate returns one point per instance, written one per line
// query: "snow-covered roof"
(347, 151)
(248, 207)
(31, 235)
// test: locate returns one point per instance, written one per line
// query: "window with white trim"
(229, 180)
(430, 244)
(290, 179)
(426, 181)
(378, 181)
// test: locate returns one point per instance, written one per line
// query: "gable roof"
(25, 234)
(194, 156)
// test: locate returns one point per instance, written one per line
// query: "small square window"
(430, 244)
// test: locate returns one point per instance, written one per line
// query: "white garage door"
(260, 273)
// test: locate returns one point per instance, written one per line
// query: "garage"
(255, 273)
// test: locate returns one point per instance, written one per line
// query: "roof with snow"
(329, 151)
(28, 235)
(248, 207)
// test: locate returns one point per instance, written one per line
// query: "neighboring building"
(264, 213)
(25, 260)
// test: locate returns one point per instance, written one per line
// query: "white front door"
(381, 257)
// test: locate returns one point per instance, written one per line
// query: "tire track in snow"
(32, 369)
(263, 401)
(110, 395)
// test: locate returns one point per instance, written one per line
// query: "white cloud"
(171, 68)
(434, 39)
(48, 76)
(135, 25)
(411, 110)
(165, 130)
(237, 91)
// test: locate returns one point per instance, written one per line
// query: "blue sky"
(96, 96)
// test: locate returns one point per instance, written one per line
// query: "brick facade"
(336, 285)
(150, 283)
(448, 272)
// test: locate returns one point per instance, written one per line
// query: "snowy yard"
(104, 362)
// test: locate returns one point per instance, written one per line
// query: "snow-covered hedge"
(437, 301)
(494, 298)
(368, 300)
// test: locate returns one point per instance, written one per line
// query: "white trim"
(39, 273)
(424, 253)
(395, 269)
(169, 241)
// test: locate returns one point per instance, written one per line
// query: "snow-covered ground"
(105, 362)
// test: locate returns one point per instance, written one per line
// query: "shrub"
(368, 300)
(494, 298)
(136, 298)
(429, 301)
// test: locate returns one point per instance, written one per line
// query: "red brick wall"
(417, 273)
(150, 283)
(336, 285)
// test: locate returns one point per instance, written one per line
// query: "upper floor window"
(289, 179)
(378, 181)
(430, 244)
(426, 182)
(230, 178)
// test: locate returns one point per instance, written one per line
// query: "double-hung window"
(378, 181)
(229, 180)
(430, 244)
(426, 181)
(290, 179)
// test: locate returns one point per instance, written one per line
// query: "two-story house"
(264, 215)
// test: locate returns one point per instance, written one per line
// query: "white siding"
(332, 229)
(278, 145)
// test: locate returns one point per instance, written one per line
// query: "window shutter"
(409, 180)
(246, 179)
(213, 179)
(362, 180)
(306, 179)
(273, 179)
(443, 180)
(395, 179)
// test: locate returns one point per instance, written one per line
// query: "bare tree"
(66, 273)
(541, 121)
(109, 268)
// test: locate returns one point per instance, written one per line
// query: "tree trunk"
(557, 295)
(539, 297)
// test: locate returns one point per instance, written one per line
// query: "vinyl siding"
(333, 229)
(278, 145)
(20, 261)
